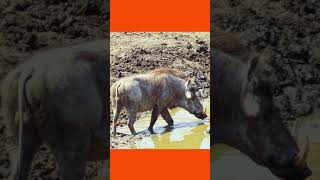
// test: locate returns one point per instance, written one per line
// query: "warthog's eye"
(192, 90)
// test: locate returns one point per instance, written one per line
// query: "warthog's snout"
(201, 115)
(293, 174)
(293, 166)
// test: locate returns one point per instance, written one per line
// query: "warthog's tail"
(117, 94)
(114, 92)
(24, 77)
(115, 97)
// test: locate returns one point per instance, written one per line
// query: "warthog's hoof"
(170, 127)
(150, 129)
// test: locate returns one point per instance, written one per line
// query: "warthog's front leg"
(154, 117)
(167, 117)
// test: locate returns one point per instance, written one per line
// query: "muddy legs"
(154, 117)
(30, 144)
(167, 117)
(132, 115)
(13, 164)
(72, 152)
(72, 164)
(115, 118)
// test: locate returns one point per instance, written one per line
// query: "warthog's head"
(267, 140)
(191, 102)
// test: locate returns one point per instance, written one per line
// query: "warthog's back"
(144, 90)
(173, 72)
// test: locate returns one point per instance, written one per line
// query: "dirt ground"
(134, 53)
(27, 27)
(290, 29)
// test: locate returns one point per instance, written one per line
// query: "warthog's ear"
(253, 65)
(188, 83)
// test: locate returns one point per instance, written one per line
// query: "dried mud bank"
(134, 53)
(290, 30)
(28, 27)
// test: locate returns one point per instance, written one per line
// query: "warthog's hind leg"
(30, 144)
(116, 111)
(167, 117)
(13, 154)
(132, 115)
(72, 153)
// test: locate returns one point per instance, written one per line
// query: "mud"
(28, 27)
(134, 53)
(290, 30)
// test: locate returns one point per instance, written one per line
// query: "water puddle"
(188, 132)
(226, 159)
(310, 126)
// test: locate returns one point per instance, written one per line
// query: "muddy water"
(229, 164)
(188, 132)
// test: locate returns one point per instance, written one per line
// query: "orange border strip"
(148, 164)
(159, 16)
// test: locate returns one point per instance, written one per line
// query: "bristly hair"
(230, 43)
(171, 71)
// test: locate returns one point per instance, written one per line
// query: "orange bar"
(159, 15)
(159, 164)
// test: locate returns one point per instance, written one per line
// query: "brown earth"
(290, 29)
(134, 53)
(27, 27)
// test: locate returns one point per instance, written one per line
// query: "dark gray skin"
(246, 119)
(159, 90)
(62, 94)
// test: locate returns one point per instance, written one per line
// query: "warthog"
(159, 90)
(245, 116)
(58, 97)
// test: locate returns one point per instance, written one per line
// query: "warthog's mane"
(230, 44)
(158, 76)
(170, 71)
(88, 55)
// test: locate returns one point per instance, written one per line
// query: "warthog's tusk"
(303, 155)
(205, 110)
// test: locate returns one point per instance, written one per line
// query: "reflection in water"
(183, 135)
(225, 159)
(310, 126)
(187, 133)
(229, 164)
